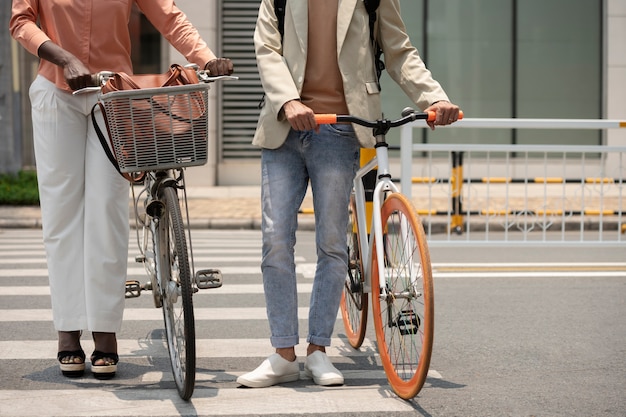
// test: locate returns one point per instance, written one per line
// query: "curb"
(307, 222)
(304, 223)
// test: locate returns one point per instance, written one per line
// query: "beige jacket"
(281, 64)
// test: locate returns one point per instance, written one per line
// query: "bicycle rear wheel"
(354, 299)
(403, 308)
(173, 268)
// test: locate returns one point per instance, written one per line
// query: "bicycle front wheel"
(402, 298)
(173, 268)
(354, 299)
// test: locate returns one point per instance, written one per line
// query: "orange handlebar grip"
(460, 114)
(325, 119)
(432, 116)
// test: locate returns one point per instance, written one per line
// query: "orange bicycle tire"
(354, 301)
(404, 320)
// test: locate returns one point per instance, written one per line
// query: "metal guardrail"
(518, 194)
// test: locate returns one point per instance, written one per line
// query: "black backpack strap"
(372, 6)
(279, 9)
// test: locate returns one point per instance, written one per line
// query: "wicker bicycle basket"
(158, 128)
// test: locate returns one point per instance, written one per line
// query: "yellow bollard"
(369, 182)
(456, 183)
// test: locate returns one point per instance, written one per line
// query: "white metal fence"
(518, 194)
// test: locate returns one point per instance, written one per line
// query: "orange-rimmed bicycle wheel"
(404, 310)
(354, 299)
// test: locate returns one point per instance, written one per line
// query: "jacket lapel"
(300, 14)
(344, 17)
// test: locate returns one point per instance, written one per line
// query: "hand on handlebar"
(76, 75)
(300, 116)
(219, 66)
(446, 113)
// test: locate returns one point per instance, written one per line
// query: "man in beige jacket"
(323, 64)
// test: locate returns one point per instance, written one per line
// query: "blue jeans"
(329, 160)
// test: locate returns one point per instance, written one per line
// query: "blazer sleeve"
(402, 60)
(274, 72)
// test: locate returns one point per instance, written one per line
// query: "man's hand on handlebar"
(446, 113)
(300, 116)
(219, 66)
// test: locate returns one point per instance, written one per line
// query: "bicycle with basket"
(154, 134)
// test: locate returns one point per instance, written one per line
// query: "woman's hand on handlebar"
(77, 75)
(219, 66)
(446, 113)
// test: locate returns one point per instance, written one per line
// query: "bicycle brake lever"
(85, 90)
(205, 77)
(407, 111)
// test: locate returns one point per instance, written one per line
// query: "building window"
(523, 59)
(145, 44)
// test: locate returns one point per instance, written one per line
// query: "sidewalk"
(209, 208)
(239, 207)
(222, 207)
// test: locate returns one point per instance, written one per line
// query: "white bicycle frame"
(383, 185)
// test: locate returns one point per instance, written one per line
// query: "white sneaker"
(273, 370)
(319, 367)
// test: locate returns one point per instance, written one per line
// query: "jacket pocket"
(372, 87)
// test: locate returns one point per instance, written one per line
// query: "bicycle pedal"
(140, 259)
(133, 289)
(407, 322)
(208, 279)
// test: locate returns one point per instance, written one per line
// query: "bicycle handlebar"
(408, 115)
(100, 78)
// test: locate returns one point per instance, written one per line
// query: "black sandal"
(106, 371)
(71, 370)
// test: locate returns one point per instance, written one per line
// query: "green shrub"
(20, 189)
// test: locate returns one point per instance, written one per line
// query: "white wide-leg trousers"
(84, 208)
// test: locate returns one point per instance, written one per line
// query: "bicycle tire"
(176, 291)
(404, 319)
(354, 301)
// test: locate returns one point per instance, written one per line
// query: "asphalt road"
(523, 331)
